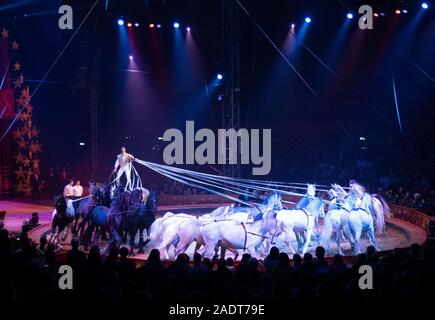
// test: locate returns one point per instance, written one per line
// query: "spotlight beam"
(422, 71)
(397, 106)
(278, 50)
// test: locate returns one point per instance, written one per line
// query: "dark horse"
(61, 219)
(110, 216)
(141, 217)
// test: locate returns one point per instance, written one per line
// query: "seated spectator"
(271, 261)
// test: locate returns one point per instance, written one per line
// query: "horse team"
(233, 228)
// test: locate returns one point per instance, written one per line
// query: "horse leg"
(356, 242)
(287, 242)
(133, 231)
(307, 240)
(141, 242)
(372, 238)
(298, 240)
(182, 246)
(197, 246)
(76, 222)
(223, 251)
(252, 252)
(338, 240)
(65, 232)
(347, 234)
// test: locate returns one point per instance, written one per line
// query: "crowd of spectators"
(29, 272)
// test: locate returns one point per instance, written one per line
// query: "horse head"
(311, 190)
(332, 194)
(273, 201)
(341, 194)
(60, 204)
(151, 202)
(356, 188)
(269, 221)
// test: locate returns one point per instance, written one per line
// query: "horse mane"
(341, 193)
(357, 188)
(269, 197)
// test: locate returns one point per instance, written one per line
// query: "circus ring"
(405, 227)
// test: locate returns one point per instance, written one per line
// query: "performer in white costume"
(123, 165)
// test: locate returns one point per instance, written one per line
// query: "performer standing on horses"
(123, 165)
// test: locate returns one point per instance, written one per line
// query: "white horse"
(301, 222)
(234, 235)
(368, 212)
(336, 220)
(164, 230)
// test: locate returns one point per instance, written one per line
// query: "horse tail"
(156, 229)
(380, 210)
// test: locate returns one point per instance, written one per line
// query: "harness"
(363, 209)
(262, 236)
(308, 215)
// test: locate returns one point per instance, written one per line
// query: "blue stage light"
(159, 26)
(424, 5)
(176, 25)
(349, 15)
(120, 22)
(219, 76)
(308, 20)
(136, 24)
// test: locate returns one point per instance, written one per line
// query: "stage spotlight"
(383, 14)
(349, 15)
(404, 11)
(159, 26)
(120, 22)
(151, 25)
(398, 11)
(293, 25)
(219, 76)
(424, 5)
(376, 14)
(308, 20)
(176, 25)
(81, 144)
(130, 57)
(129, 24)
(136, 25)
(188, 29)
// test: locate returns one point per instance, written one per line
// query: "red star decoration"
(17, 133)
(26, 162)
(29, 108)
(5, 33)
(17, 66)
(19, 158)
(22, 144)
(15, 45)
(35, 132)
(20, 173)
